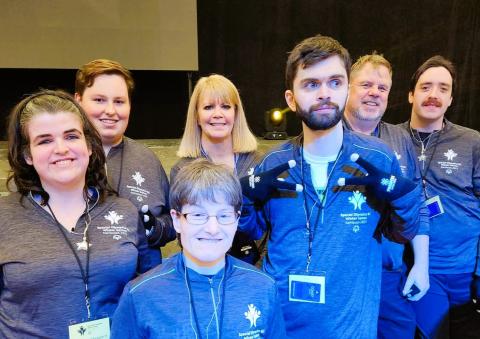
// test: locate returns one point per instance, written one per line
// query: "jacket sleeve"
(124, 322)
(276, 326)
(164, 231)
(148, 258)
(407, 212)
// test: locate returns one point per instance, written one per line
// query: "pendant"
(83, 246)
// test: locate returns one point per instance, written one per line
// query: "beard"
(357, 113)
(320, 122)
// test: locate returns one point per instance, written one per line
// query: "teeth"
(62, 162)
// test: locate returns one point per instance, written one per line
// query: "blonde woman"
(216, 129)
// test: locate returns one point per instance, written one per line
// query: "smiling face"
(206, 244)
(368, 93)
(431, 98)
(58, 150)
(319, 93)
(107, 105)
(215, 118)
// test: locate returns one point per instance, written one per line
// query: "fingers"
(354, 181)
(407, 288)
(366, 165)
(281, 184)
(276, 171)
(144, 208)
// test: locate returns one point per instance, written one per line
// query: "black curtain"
(248, 41)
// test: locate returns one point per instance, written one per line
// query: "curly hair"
(24, 176)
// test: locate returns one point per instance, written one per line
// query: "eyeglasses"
(223, 218)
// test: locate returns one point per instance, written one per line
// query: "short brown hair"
(86, 75)
(25, 176)
(375, 59)
(313, 50)
(435, 61)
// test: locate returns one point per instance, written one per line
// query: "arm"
(156, 219)
(124, 321)
(147, 257)
(419, 273)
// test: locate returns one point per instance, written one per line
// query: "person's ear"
(78, 97)
(176, 220)
(410, 97)
(27, 157)
(290, 99)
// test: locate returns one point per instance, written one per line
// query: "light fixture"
(276, 124)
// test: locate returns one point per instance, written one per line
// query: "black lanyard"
(192, 302)
(84, 273)
(311, 232)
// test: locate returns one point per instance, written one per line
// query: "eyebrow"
(431, 83)
(48, 135)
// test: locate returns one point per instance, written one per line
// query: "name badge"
(98, 329)
(434, 206)
(307, 288)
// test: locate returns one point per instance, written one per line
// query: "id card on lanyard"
(93, 329)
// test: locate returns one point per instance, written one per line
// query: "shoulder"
(165, 273)
(462, 131)
(139, 149)
(280, 153)
(361, 143)
(250, 273)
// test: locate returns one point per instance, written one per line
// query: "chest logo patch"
(113, 217)
(252, 315)
(450, 154)
(357, 200)
(139, 180)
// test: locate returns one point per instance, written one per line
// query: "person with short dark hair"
(69, 245)
(449, 160)
(324, 250)
(104, 89)
(202, 292)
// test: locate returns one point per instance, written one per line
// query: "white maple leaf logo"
(252, 315)
(450, 154)
(357, 200)
(139, 180)
(113, 217)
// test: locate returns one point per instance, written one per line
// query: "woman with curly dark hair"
(69, 245)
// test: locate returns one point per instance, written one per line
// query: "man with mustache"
(449, 161)
(370, 84)
(322, 250)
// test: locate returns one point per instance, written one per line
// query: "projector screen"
(142, 35)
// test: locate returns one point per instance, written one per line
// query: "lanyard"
(84, 273)
(321, 205)
(192, 302)
(423, 170)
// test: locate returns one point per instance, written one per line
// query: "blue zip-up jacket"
(345, 248)
(400, 142)
(454, 176)
(158, 304)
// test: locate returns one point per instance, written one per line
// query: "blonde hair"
(216, 87)
(375, 59)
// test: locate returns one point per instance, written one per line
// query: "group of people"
(354, 196)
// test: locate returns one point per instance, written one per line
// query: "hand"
(476, 292)
(148, 219)
(419, 278)
(258, 187)
(384, 185)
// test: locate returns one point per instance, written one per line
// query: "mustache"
(434, 102)
(322, 104)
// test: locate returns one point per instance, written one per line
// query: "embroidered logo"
(357, 200)
(252, 315)
(397, 155)
(113, 217)
(139, 180)
(356, 229)
(117, 237)
(82, 330)
(450, 154)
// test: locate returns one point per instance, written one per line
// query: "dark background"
(248, 41)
